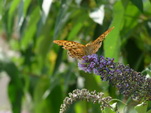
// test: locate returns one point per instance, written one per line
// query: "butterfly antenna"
(102, 36)
(83, 41)
(109, 30)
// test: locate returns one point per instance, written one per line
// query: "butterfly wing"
(96, 44)
(75, 50)
(68, 44)
(77, 53)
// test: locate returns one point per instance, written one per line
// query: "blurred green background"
(41, 74)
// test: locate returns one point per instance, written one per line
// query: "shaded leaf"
(40, 3)
(15, 87)
(58, 60)
(131, 18)
(89, 79)
(138, 4)
(56, 98)
(148, 111)
(40, 90)
(62, 17)
(26, 6)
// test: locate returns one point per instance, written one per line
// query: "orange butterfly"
(77, 50)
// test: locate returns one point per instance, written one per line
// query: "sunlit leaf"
(112, 42)
(28, 39)
(141, 108)
(13, 8)
(75, 30)
(108, 110)
(147, 71)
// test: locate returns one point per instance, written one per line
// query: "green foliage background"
(44, 72)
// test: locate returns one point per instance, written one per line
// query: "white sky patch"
(78, 1)
(149, 24)
(114, 105)
(80, 82)
(98, 15)
(140, 104)
(46, 5)
(21, 21)
(46, 94)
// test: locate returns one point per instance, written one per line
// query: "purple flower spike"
(128, 81)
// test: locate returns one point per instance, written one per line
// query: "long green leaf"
(112, 42)
(62, 17)
(11, 14)
(141, 108)
(26, 5)
(58, 60)
(15, 87)
(31, 30)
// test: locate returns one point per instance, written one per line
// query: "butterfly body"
(77, 50)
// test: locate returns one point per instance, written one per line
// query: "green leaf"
(75, 30)
(40, 3)
(44, 40)
(62, 17)
(90, 81)
(40, 90)
(31, 29)
(80, 107)
(55, 99)
(11, 14)
(141, 108)
(77, 24)
(26, 5)
(15, 87)
(13, 7)
(15, 95)
(147, 5)
(58, 60)
(148, 111)
(112, 41)
(138, 4)
(108, 110)
(147, 71)
(1, 7)
(132, 14)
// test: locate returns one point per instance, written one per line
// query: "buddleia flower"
(128, 81)
(84, 94)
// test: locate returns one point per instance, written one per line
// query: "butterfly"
(77, 50)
